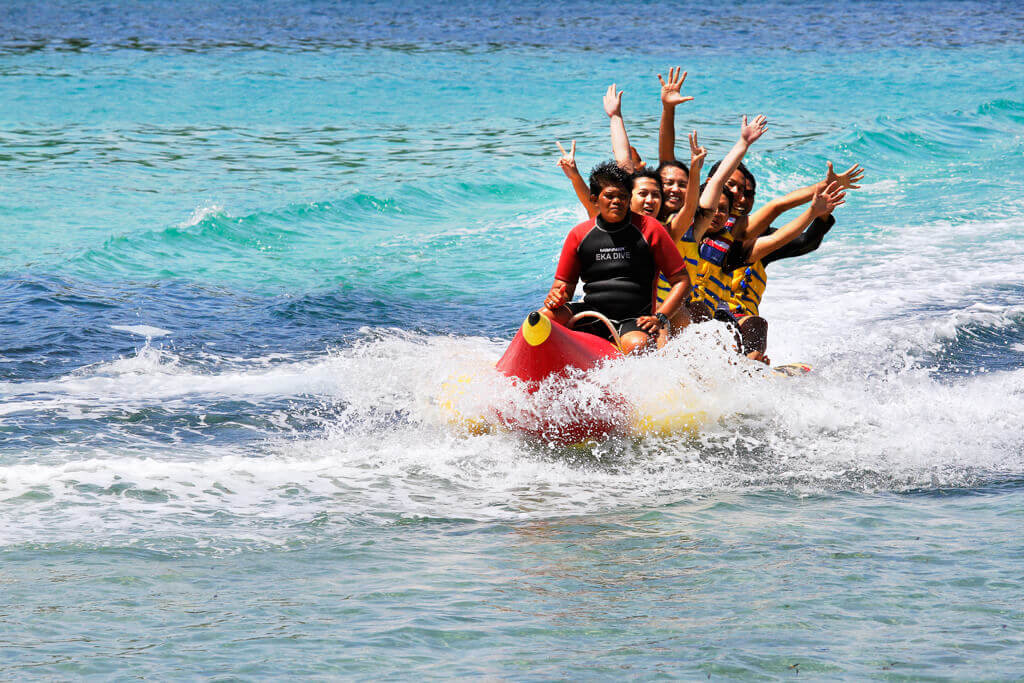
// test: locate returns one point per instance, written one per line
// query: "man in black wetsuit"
(618, 255)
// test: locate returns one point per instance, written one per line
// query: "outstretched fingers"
(670, 95)
(835, 195)
(672, 70)
(848, 178)
(854, 175)
(751, 131)
(613, 101)
(828, 198)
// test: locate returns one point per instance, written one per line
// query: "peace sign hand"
(697, 154)
(670, 95)
(568, 161)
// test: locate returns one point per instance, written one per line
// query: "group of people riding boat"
(661, 249)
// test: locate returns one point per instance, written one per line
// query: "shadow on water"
(51, 325)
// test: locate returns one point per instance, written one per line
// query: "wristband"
(665, 322)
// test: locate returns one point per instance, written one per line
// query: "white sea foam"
(201, 213)
(147, 331)
(904, 287)
(386, 450)
(873, 414)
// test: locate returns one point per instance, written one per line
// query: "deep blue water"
(246, 244)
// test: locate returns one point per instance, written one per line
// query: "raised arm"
(620, 141)
(638, 162)
(684, 217)
(804, 243)
(761, 219)
(568, 165)
(670, 99)
(749, 134)
(825, 200)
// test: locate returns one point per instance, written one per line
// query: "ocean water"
(245, 244)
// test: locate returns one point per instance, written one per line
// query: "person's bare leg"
(634, 341)
(754, 331)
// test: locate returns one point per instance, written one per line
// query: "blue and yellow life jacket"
(748, 285)
(688, 250)
(713, 286)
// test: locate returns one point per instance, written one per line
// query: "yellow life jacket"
(688, 250)
(713, 285)
(748, 286)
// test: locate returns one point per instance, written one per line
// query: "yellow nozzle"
(536, 329)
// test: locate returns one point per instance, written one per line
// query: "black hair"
(647, 173)
(741, 168)
(676, 164)
(608, 173)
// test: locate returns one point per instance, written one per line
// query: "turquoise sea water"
(245, 245)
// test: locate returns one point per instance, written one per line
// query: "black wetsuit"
(618, 264)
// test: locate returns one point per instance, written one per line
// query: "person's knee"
(755, 333)
(634, 341)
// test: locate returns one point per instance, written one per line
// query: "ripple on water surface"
(246, 245)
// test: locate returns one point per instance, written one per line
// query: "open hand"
(670, 95)
(697, 154)
(750, 132)
(568, 161)
(556, 298)
(847, 179)
(613, 101)
(827, 199)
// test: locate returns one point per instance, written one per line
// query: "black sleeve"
(804, 243)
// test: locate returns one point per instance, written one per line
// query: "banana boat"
(543, 351)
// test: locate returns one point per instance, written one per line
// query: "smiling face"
(646, 197)
(612, 203)
(721, 216)
(673, 189)
(742, 191)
